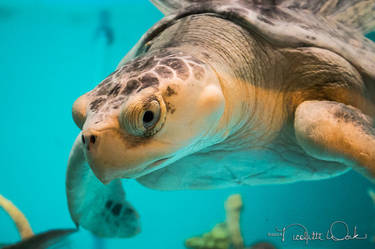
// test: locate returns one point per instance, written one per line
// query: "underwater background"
(53, 51)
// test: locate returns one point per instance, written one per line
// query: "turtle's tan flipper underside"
(101, 209)
(333, 131)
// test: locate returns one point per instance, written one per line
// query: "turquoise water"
(50, 53)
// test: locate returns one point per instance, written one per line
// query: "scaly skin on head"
(148, 113)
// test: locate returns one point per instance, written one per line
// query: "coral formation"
(233, 207)
(217, 238)
(226, 235)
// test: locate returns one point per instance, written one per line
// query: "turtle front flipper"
(101, 209)
(333, 131)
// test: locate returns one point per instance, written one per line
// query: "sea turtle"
(226, 92)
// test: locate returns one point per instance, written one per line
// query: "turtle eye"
(148, 117)
(151, 114)
(143, 119)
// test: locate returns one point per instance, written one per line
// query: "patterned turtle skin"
(222, 93)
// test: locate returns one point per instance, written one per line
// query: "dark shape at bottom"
(262, 245)
(42, 240)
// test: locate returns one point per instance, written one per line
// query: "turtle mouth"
(131, 174)
(109, 156)
(158, 162)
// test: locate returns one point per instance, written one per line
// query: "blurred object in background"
(19, 219)
(28, 239)
(233, 207)
(217, 238)
(104, 30)
(51, 238)
(262, 245)
(371, 193)
(103, 39)
(98, 243)
(226, 235)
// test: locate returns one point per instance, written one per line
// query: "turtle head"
(149, 113)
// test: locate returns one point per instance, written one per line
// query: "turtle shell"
(285, 23)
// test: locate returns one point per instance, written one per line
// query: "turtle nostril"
(92, 139)
(88, 140)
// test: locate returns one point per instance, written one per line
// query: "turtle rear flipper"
(99, 208)
(333, 131)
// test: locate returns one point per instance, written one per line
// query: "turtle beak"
(108, 155)
(103, 152)
(101, 209)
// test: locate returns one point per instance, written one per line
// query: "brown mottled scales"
(164, 72)
(170, 91)
(178, 66)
